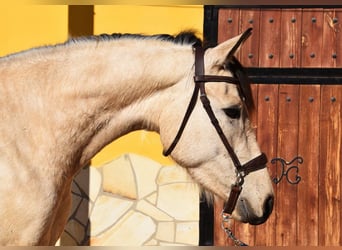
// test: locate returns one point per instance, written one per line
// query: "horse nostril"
(267, 210)
(268, 206)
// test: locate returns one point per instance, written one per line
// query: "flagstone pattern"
(133, 201)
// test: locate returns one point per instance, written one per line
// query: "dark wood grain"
(292, 120)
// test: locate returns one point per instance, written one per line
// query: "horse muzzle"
(249, 215)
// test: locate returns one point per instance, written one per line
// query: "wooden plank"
(286, 212)
(267, 134)
(249, 55)
(308, 148)
(330, 166)
(269, 52)
(308, 141)
(228, 24)
(338, 27)
(267, 110)
(290, 50)
(331, 30)
(312, 25)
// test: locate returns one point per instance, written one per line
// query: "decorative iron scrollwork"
(285, 169)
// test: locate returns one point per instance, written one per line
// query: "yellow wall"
(145, 20)
(26, 26)
(168, 19)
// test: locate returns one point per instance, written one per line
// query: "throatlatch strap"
(188, 112)
(199, 79)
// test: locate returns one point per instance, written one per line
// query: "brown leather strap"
(188, 112)
(200, 79)
(212, 78)
(199, 69)
(206, 104)
(229, 206)
(253, 165)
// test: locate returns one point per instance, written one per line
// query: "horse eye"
(233, 112)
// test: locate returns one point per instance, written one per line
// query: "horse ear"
(242, 38)
(226, 50)
(223, 55)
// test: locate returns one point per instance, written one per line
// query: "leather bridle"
(200, 79)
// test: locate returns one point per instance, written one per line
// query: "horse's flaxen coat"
(60, 105)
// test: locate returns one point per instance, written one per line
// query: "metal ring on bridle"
(240, 178)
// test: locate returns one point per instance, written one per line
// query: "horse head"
(199, 147)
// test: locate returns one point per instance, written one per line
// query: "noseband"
(255, 164)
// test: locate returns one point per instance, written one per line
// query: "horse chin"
(245, 213)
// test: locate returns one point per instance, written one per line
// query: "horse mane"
(183, 38)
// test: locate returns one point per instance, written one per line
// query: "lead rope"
(226, 226)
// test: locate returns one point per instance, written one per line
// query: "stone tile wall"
(133, 201)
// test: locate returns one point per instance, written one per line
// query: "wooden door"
(294, 120)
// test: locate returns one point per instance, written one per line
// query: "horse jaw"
(207, 161)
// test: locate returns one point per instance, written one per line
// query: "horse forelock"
(244, 87)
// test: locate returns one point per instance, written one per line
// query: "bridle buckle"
(240, 177)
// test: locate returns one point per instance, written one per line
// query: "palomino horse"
(62, 104)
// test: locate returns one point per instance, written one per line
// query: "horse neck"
(112, 90)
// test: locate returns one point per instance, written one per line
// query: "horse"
(61, 104)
